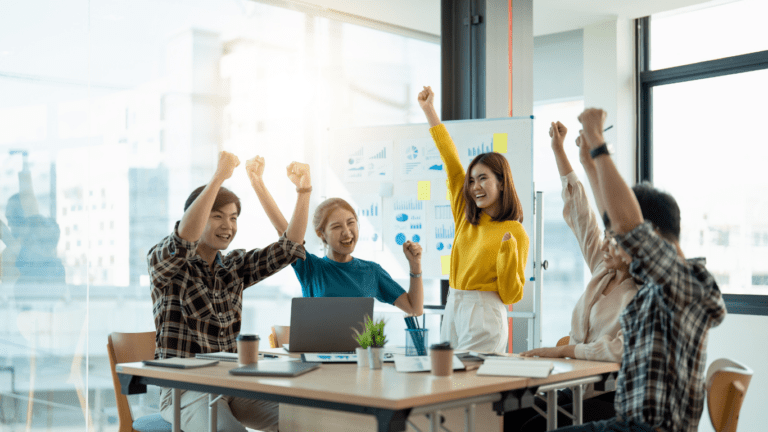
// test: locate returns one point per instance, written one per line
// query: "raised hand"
(426, 97)
(227, 164)
(298, 173)
(412, 252)
(557, 132)
(255, 169)
(584, 157)
(592, 121)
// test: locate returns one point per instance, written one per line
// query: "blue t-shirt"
(323, 277)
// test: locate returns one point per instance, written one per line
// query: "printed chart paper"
(372, 161)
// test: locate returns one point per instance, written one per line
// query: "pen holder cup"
(416, 342)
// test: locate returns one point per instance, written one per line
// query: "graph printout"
(369, 216)
(420, 159)
(442, 228)
(469, 146)
(409, 219)
(368, 162)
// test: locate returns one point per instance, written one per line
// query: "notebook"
(275, 368)
(519, 368)
(181, 363)
(324, 324)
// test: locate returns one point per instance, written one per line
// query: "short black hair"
(224, 197)
(658, 207)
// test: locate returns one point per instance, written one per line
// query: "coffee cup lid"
(247, 337)
(441, 346)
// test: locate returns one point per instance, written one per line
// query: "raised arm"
(412, 302)
(557, 132)
(196, 216)
(299, 175)
(591, 170)
(618, 199)
(426, 102)
(255, 169)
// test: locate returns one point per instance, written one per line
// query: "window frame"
(646, 80)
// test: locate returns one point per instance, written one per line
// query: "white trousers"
(233, 414)
(475, 321)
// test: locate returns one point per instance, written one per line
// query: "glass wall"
(112, 113)
(567, 274)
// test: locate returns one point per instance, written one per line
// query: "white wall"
(558, 66)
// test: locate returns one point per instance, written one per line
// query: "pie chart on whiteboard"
(412, 153)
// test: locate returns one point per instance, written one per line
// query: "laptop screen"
(324, 324)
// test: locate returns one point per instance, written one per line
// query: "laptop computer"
(324, 324)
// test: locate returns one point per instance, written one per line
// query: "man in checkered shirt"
(661, 381)
(197, 293)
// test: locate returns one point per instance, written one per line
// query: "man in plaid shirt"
(197, 293)
(661, 381)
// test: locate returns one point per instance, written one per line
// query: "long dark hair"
(510, 207)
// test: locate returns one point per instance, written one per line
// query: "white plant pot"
(375, 357)
(362, 357)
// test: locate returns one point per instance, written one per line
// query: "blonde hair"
(324, 210)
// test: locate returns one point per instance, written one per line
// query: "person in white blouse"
(595, 328)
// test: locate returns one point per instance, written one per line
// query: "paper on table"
(180, 363)
(524, 368)
(420, 363)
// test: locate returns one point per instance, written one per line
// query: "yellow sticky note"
(500, 142)
(424, 190)
(445, 263)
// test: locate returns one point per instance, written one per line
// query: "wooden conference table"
(389, 396)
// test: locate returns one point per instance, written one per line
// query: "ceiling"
(549, 16)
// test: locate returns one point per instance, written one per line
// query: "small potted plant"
(373, 339)
(364, 340)
(376, 349)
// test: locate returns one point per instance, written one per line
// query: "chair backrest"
(727, 383)
(280, 335)
(565, 340)
(126, 348)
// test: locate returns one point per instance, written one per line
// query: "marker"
(607, 128)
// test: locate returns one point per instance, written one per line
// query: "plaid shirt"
(198, 310)
(661, 381)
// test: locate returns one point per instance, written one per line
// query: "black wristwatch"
(600, 150)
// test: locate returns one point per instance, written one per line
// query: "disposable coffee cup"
(442, 359)
(247, 349)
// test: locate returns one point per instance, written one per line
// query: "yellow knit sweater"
(479, 259)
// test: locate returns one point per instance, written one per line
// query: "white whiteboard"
(378, 169)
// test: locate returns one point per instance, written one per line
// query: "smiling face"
(614, 257)
(340, 234)
(220, 228)
(485, 189)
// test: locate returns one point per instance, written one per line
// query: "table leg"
(434, 421)
(552, 410)
(213, 411)
(469, 426)
(578, 405)
(176, 424)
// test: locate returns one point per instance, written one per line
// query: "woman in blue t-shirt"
(339, 274)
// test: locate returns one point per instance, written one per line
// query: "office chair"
(126, 348)
(727, 383)
(280, 335)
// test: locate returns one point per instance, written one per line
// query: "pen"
(270, 356)
(607, 128)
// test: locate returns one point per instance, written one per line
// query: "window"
(121, 128)
(698, 98)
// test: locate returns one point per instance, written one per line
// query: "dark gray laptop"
(324, 324)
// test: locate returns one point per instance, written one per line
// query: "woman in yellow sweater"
(490, 247)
